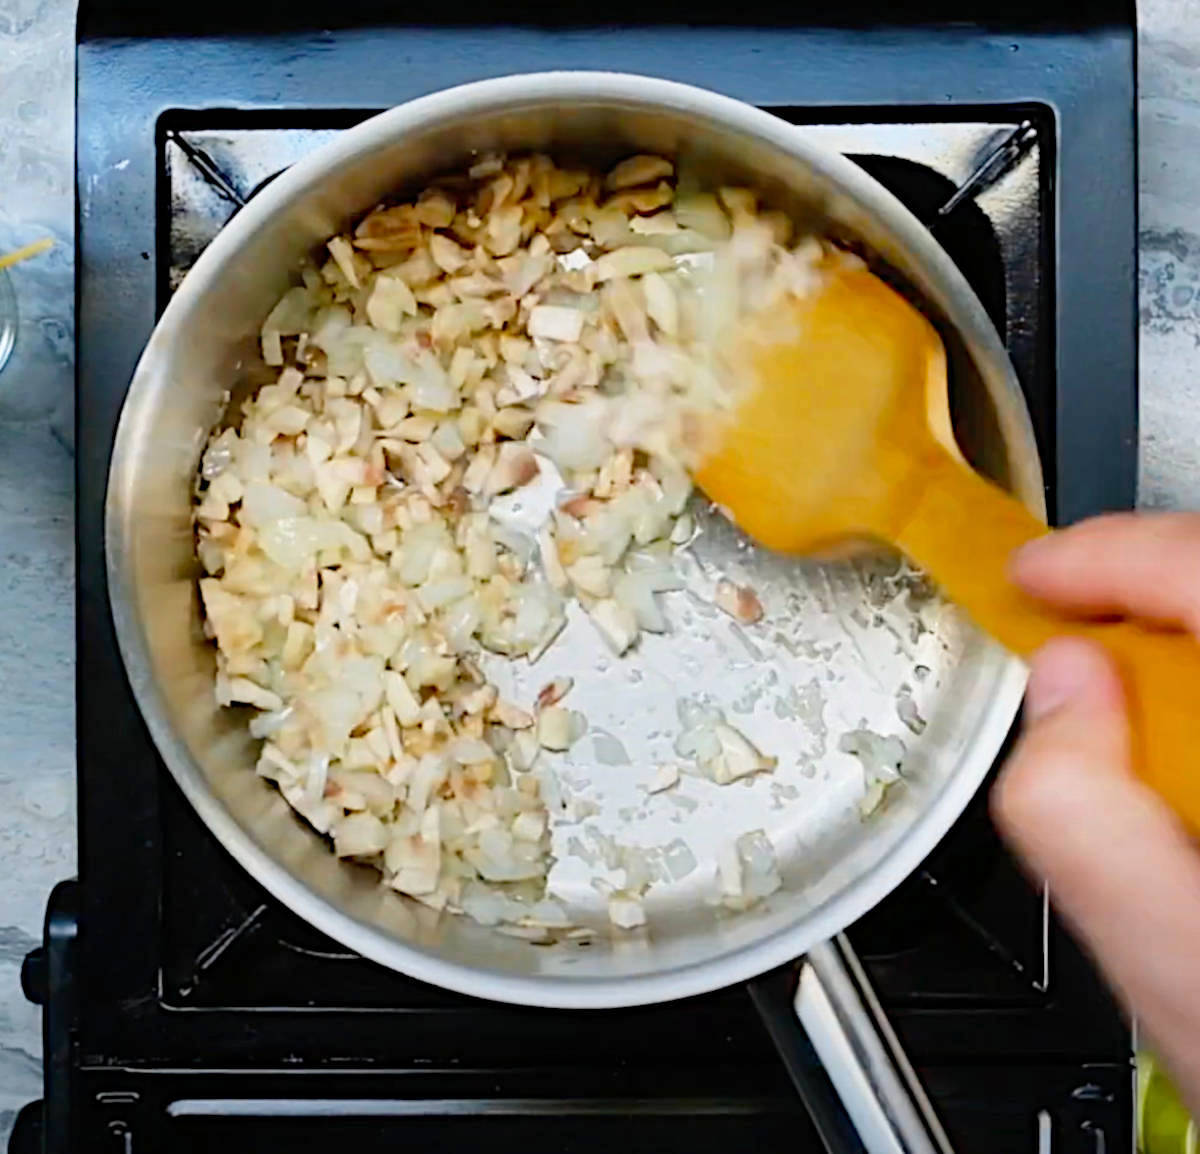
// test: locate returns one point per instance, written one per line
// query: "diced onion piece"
(665, 777)
(591, 576)
(343, 254)
(524, 750)
(702, 213)
(555, 728)
(617, 624)
(415, 860)
(556, 323)
(243, 690)
(633, 260)
(551, 564)
(554, 691)
(747, 871)
(872, 799)
(529, 826)
(739, 601)
(760, 870)
(447, 255)
(471, 751)
(515, 466)
(635, 592)
(359, 835)
(401, 700)
(510, 716)
(737, 758)
(729, 873)
(272, 347)
(626, 911)
(391, 300)
(263, 503)
(438, 594)
(640, 169)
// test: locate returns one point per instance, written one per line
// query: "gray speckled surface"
(37, 770)
(1169, 113)
(36, 549)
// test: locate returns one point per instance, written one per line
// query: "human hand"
(1121, 867)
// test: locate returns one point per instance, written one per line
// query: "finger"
(1121, 868)
(1145, 565)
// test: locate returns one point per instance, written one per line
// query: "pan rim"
(558, 991)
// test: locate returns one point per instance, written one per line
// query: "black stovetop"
(185, 1009)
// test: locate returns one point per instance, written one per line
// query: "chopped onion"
(263, 503)
(616, 623)
(359, 835)
(556, 323)
(369, 518)
(665, 777)
(555, 729)
(626, 911)
(573, 435)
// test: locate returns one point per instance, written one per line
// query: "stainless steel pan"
(841, 652)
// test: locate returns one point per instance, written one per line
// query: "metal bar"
(993, 166)
(843, 1023)
(207, 167)
(212, 953)
(773, 996)
(457, 1107)
(993, 944)
(899, 1058)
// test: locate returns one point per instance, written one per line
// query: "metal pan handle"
(845, 1060)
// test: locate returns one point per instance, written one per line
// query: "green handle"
(1163, 1123)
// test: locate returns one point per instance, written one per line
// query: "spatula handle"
(963, 530)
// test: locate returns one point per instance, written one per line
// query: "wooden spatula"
(843, 432)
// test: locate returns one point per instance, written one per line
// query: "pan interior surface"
(854, 665)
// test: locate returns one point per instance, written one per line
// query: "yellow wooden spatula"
(843, 432)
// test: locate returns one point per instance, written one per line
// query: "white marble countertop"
(37, 772)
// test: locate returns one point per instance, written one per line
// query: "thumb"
(1120, 866)
(1054, 798)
